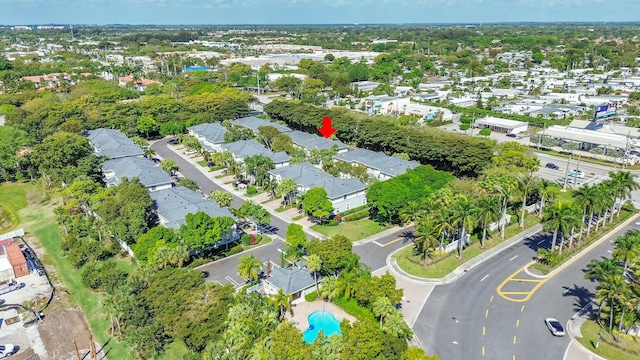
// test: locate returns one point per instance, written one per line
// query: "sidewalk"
(575, 350)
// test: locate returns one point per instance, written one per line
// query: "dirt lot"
(60, 329)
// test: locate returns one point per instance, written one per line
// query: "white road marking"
(609, 251)
(540, 242)
(486, 276)
(235, 283)
(513, 257)
(377, 243)
(455, 342)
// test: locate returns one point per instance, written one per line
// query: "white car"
(577, 173)
(554, 326)
(191, 152)
(7, 350)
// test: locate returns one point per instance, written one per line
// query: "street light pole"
(566, 173)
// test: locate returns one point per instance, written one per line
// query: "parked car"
(577, 173)
(155, 160)
(512, 135)
(570, 180)
(7, 350)
(554, 326)
(191, 152)
(552, 166)
(172, 141)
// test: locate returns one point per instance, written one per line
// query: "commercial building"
(501, 125)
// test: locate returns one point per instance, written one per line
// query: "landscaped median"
(440, 265)
(608, 347)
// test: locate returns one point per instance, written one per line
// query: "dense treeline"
(462, 155)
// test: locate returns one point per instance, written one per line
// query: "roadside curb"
(573, 326)
(465, 267)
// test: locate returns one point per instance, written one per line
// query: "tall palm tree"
(599, 269)
(525, 183)
(560, 219)
(546, 189)
(600, 203)
(463, 214)
(627, 247)
(410, 212)
(282, 301)
(394, 324)
(314, 264)
(584, 199)
(345, 283)
(443, 223)
(249, 267)
(610, 289)
(426, 236)
(489, 210)
(329, 289)
(383, 307)
(506, 192)
(624, 184)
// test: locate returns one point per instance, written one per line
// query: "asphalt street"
(594, 173)
(469, 319)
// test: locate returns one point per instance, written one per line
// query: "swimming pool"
(321, 320)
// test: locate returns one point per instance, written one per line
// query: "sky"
(230, 12)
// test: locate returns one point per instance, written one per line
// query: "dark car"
(512, 135)
(172, 141)
(554, 326)
(552, 166)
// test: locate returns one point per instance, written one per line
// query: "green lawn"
(609, 348)
(12, 199)
(440, 265)
(354, 230)
(298, 217)
(39, 221)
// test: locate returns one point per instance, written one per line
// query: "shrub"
(354, 210)
(245, 239)
(465, 119)
(357, 216)
(251, 190)
(485, 132)
(252, 239)
(235, 250)
(354, 309)
(464, 127)
(311, 296)
(332, 223)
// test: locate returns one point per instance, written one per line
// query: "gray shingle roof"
(112, 143)
(307, 175)
(246, 148)
(142, 168)
(291, 280)
(314, 142)
(175, 203)
(254, 123)
(212, 132)
(388, 165)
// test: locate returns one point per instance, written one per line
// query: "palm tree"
(383, 307)
(345, 283)
(314, 264)
(584, 199)
(624, 184)
(410, 212)
(600, 203)
(610, 289)
(442, 222)
(426, 236)
(627, 247)
(559, 219)
(599, 269)
(329, 289)
(463, 215)
(249, 267)
(283, 302)
(394, 324)
(546, 190)
(505, 193)
(489, 211)
(525, 183)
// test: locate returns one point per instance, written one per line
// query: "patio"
(303, 308)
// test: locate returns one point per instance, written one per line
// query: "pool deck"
(302, 309)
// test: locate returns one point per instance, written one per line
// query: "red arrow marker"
(326, 130)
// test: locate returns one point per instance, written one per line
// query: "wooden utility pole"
(75, 346)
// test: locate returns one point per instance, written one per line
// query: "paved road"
(469, 319)
(375, 253)
(594, 173)
(207, 185)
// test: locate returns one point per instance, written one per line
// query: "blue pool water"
(321, 320)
